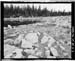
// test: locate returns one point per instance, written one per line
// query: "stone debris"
(54, 51)
(44, 39)
(18, 40)
(18, 53)
(9, 41)
(30, 46)
(51, 41)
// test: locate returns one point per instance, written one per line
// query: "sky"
(49, 6)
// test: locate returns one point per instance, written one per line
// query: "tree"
(31, 11)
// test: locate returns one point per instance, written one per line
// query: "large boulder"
(32, 37)
(26, 44)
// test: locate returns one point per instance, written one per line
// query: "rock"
(47, 53)
(18, 50)
(8, 49)
(51, 41)
(9, 41)
(44, 39)
(54, 51)
(19, 39)
(38, 53)
(32, 37)
(31, 56)
(29, 51)
(18, 53)
(9, 26)
(12, 35)
(36, 45)
(26, 44)
(25, 55)
(8, 56)
(15, 54)
(5, 28)
(63, 48)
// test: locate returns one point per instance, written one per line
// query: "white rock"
(31, 56)
(38, 33)
(32, 37)
(62, 47)
(26, 44)
(44, 39)
(47, 53)
(51, 41)
(46, 48)
(9, 26)
(54, 51)
(29, 51)
(5, 28)
(38, 53)
(19, 39)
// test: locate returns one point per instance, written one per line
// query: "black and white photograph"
(37, 30)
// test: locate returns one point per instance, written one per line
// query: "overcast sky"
(55, 6)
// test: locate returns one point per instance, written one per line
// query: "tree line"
(31, 12)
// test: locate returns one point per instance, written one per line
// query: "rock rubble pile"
(33, 45)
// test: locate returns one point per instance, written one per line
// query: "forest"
(31, 12)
